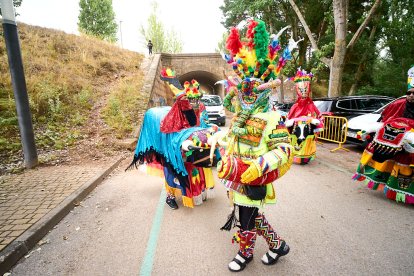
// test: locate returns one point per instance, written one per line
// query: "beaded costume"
(258, 150)
(387, 162)
(303, 120)
(174, 142)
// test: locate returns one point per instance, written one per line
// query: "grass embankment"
(80, 88)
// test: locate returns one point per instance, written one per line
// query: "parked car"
(363, 122)
(215, 109)
(351, 106)
(283, 107)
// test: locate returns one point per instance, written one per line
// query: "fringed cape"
(165, 148)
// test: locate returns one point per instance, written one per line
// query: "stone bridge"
(207, 69)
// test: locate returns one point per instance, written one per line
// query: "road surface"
(333, 225)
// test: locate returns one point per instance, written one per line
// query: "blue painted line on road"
(146, 267)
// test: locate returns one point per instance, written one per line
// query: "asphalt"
(33, 202)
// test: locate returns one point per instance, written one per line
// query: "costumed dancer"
(387, 162)
(258, 149)
(175, 142)
(303, 120)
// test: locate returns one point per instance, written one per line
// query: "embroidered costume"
(174, 142)
(387, 162)
(303, 120)
(258, 150)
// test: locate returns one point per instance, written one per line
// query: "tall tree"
(97, 18)
(397, 52)
(163, 41)
(399, 35)
(279, 14)
(337, 62)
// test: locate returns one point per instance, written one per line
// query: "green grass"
(72, 82)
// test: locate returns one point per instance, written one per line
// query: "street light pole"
(19, 83)
(120, 32)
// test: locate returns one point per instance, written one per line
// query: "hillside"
(84, 96)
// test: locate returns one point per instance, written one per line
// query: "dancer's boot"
(277, 246)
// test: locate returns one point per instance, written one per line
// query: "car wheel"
(223, 123)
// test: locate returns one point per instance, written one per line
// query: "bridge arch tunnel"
(206, 80)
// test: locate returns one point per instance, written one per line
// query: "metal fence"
(334, 130)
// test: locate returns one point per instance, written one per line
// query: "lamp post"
(120, 33)
(19, 83)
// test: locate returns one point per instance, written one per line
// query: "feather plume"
(231, 221)
(251, 33)
(228, 58)
(276, 36)
(233, 43)
(274, 47)
(261, 40)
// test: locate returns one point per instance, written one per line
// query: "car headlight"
(222, 113)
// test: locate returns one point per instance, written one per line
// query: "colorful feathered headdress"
(301, 75)
(257, 60)
(168, 75)
(410, 81)
(192, 89)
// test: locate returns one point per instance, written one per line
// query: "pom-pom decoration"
(192, 89)
(168, 75)
(302, 75)
(233, 43)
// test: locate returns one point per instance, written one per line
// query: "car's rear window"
(345, 104)
(323, 106)
(371, 104)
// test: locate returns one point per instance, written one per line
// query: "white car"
(358, 126)
(215, 109)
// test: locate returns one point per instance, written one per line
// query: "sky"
(197, 22)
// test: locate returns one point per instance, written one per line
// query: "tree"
(221, 45)
(279, 14)
(395, 46)
(399, 36)
(337, 62)
(97, 18)
(163, 41)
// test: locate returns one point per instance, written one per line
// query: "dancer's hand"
(251, 173)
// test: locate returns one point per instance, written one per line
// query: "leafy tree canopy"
(97, 18)
(164, 41)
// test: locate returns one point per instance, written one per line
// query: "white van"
(215, 109)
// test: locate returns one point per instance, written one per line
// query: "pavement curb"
(25, 242)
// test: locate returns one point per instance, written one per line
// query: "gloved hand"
(251, 173)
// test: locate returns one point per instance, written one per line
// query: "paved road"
(333, 225)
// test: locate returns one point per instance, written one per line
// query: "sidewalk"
(32, 202)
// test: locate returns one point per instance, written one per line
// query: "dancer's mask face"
(195, 103)
(303, 89)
